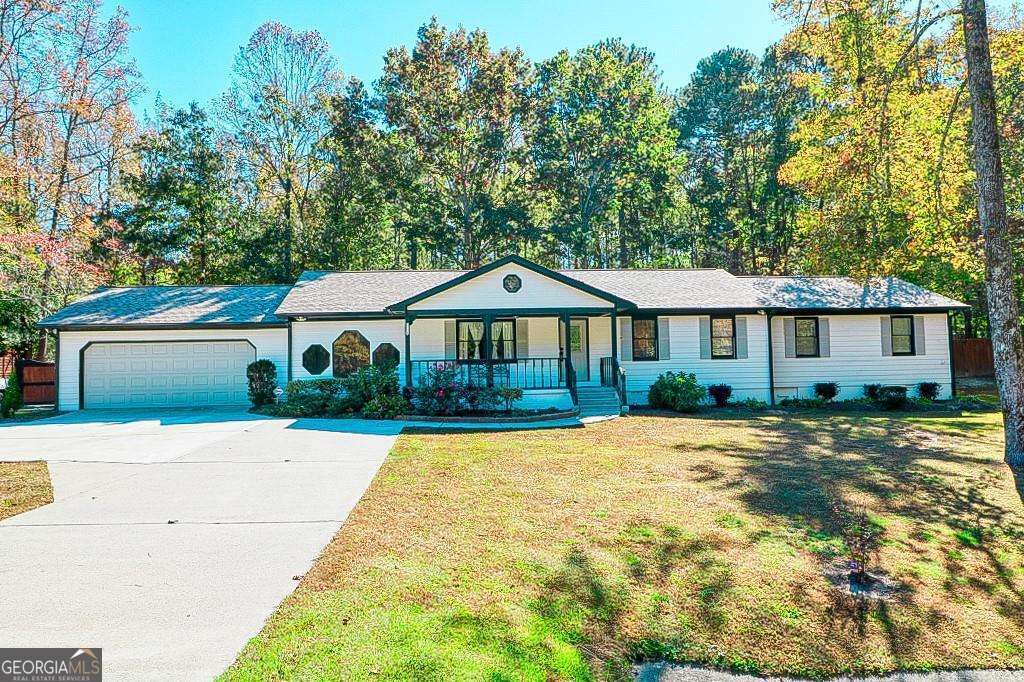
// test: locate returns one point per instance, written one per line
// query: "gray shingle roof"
(372, 291)
(368, 291)
(168, 305)
(711, 289)
(843, 292)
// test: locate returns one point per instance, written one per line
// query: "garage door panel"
(166, 373)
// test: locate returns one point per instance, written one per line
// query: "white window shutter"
(664, 343)
(824, 338)
(789, 332)
(522, 337)
(705, 337)
(920, 345)
(451, 348)
(625, 338)
(886, 335)
(741, 337)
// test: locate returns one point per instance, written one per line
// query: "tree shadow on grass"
(800, 469)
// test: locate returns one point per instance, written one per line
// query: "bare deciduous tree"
(276, 108)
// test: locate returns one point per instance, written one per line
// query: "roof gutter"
(160, 327)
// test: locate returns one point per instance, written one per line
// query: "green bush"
(721, 394)
(871, 391)
(307, 398)
(679, 392)
(339, 397)
(309, 405)
(751, 404)
(12, 401)
(439, 391)
(826, 390)
(324, 388)
(510, 395)
(262, 376)
(386, 407)
(368, 383)
(929, 390)
(481, 398)
(893, 397)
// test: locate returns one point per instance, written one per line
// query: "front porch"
(549, 355)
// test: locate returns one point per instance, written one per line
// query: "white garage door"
(161, 374)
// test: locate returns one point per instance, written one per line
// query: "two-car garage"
(166, 346)
(172, 368)
(165, 373)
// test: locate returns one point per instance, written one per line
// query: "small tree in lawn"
(862, 538)
(262, 376)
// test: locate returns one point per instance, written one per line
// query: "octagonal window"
(315, 359)
(385, 355)
(351, 351)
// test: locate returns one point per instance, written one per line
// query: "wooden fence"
(973, 357)
(37, 381)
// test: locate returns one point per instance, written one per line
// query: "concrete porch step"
(598, 401)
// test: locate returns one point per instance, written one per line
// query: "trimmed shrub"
(262, 376)
(679, 392)
(871, 390)
(386, 407)
(12, 401)
(929, 390)
(893, 397)
(826, 390)
(323, 388)
(510, 395)
(721, 394)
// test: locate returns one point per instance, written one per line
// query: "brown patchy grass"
(567, 554)
(23, 487)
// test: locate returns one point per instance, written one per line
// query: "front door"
(579, 347)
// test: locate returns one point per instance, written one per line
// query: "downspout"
(56, 374)
(408, 350)
(289, 350)
(771, 362)
(952, 356)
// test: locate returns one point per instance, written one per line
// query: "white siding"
(271, 344)
(856, 359)
(486, 292)
(305, 334)
(426, 340)
(543, 337)
(747, 376)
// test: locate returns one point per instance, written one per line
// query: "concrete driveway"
(173, 534)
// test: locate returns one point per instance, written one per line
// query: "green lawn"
(567, 554)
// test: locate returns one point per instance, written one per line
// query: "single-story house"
(564, 336)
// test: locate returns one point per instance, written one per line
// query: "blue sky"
(185, 48)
